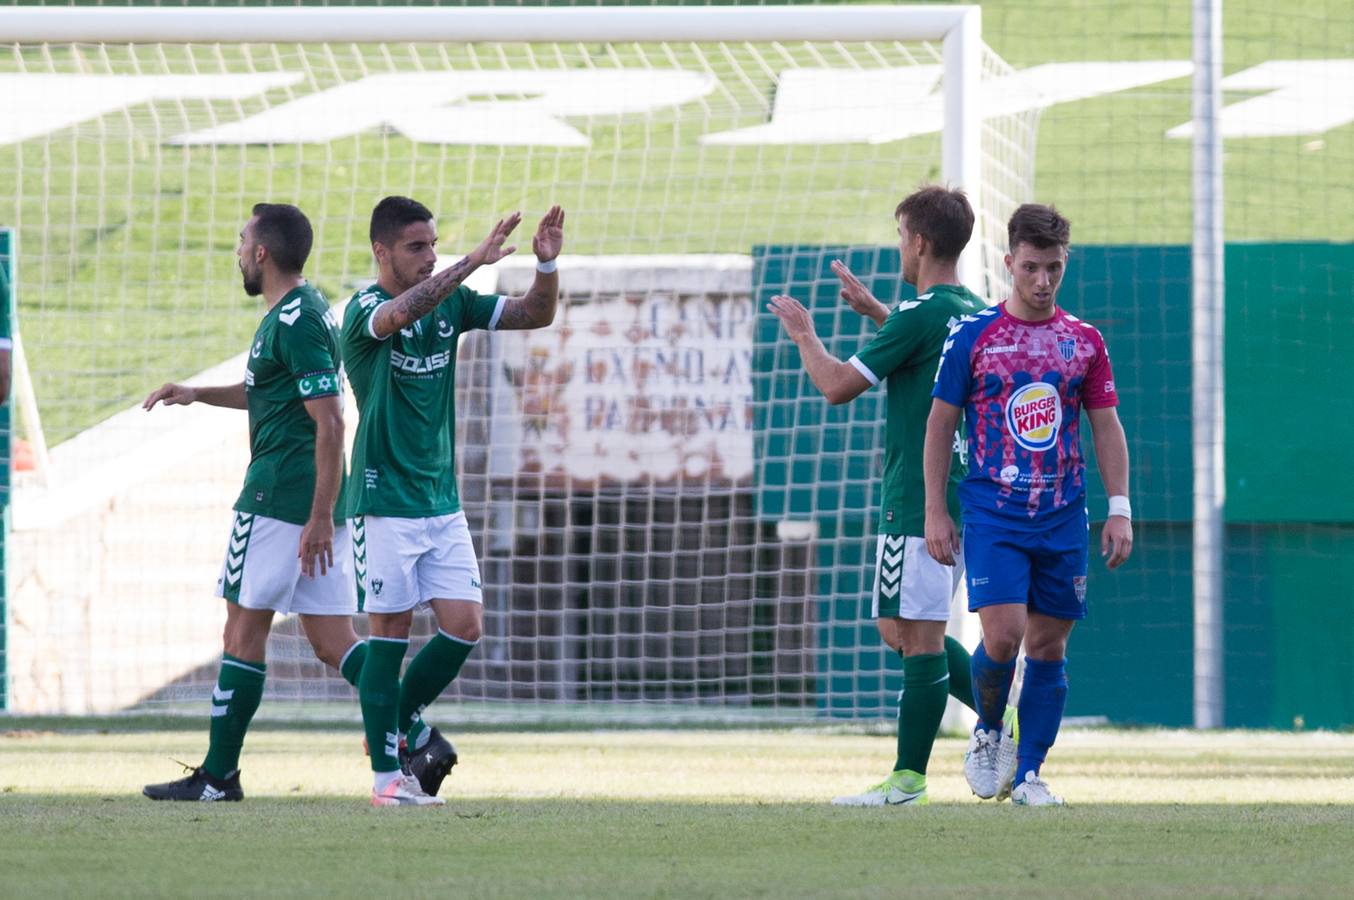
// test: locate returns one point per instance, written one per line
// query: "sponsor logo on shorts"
(474, 582)
(1034, 415)
(376, 585)
(1079, 585)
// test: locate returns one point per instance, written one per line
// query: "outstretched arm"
(1111, 453)
(942, 538)
(838, 381)
(230, 396)
(536, 308)
(415, 303)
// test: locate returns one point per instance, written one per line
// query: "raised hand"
(857, 295)
(170, 395)
(491, 249)
(549, 239)
(792, 314)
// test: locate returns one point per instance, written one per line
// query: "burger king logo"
(1034, 414)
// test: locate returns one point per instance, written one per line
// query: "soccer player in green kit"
(912, 592)
(412, 543)
(289, 549)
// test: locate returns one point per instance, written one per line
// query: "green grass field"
(127, 274)
(677, 813)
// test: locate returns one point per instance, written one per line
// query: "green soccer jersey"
(906, 352)
(404, 456)
(294, 358)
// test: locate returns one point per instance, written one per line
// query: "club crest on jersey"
(1034, 415)
(1068, 348)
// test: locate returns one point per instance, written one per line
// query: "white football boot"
(1033, 791)
(404, 791)
(1006, 753)
(980, 762)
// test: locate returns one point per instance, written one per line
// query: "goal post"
(633, 475)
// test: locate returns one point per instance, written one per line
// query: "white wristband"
(545, 268)
(1119, 506)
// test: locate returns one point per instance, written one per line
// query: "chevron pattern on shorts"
(360, 548)
(239, 543)
(891, 566)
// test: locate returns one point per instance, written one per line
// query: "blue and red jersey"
(1022, 386)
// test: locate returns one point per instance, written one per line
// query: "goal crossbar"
(405, 25)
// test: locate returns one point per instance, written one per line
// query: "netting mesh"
(610, 465)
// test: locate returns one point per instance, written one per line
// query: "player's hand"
(792, 314)
(942, 538)
(549, 239)
(317, 546)
(491, 249)
(1116, 541)
(170, 395)
(857, 295)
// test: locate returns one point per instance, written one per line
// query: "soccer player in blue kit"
(1021, 373)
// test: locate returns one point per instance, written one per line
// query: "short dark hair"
(1039, 226)
(942, 216)
(286, 232)
(391, 216)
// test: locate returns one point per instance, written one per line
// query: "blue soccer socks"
(1042, 699)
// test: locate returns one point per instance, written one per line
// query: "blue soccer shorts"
(1045, 570)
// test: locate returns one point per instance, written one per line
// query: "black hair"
(286, 232)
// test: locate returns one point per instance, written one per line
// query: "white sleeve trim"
(864, 370)
(371, 322)
(498, 311)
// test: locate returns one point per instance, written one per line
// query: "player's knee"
(1047, 649)
(467, 629)
(1002, 646)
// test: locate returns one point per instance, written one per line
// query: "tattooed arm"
(415, 303)
(536, 308)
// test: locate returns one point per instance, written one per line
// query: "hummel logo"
(291, 312)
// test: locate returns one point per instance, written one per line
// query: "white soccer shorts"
(909, 583)
(262, 570)
(404, 563)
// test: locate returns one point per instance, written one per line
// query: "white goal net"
(670, 522)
